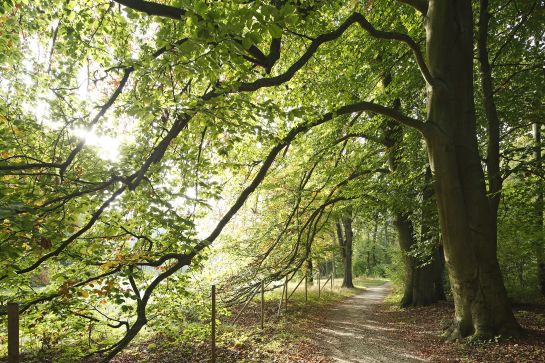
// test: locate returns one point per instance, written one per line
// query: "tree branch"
(102, 111)
(304, 127)
(328, 37)
(420, 5)
(152, 8)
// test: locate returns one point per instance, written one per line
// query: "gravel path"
(352, 334)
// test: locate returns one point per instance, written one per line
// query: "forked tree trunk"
(346, 239)
(482, 308)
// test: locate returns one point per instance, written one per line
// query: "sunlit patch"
(107, 147)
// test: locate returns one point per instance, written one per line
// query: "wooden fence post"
(319, 284)
(286, 294)
(306, 287)
(333, 264)
(13, 333)
(213, 324)
(262, 304)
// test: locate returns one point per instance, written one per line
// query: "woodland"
(152, 149)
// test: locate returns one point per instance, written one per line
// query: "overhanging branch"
(355, 18)
(420, 5)
(152, 8)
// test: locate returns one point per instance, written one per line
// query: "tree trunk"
(310, 272)
(373, 254)
(482, 308)
(347, 250)
(539, 245)
(429, 278)
(495, 181)
(406, 241)
(423, 285)
(421, 277)
(439, 274)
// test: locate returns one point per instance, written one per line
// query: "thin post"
(333, 262)
(13, 333)
(286, 294)
(262, 304)
(319, 284)
(281, 300)
(306, 287)
(213, 323)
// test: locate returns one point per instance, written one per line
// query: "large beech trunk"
(468, 227)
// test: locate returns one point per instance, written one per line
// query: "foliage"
(148, 153)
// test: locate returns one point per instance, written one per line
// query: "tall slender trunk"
(495, 181)
(373, 248)
(466, 217)
(539, 243)
(348, 242)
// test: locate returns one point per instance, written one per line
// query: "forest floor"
(343, 326)
(355, 326)
(366, 328)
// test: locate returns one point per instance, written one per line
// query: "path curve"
(352, 334)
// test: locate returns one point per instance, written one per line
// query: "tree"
(196, 81)
(539, 243)
(345, 236)
(467, 222)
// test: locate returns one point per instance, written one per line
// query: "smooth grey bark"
(468, 226)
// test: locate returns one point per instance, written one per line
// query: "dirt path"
(353, 334)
